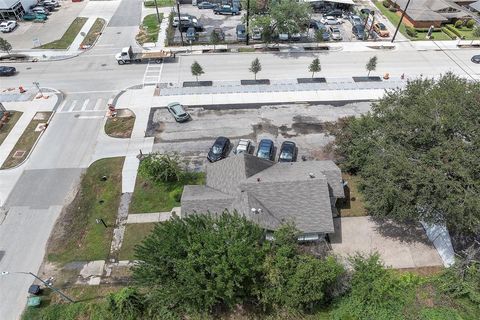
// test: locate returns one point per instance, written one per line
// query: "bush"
(161, 167)
(455, 31)
(411, 32)
(449, 33)
(458, 24)
(392, 9)
(470, 23)
(386, 3)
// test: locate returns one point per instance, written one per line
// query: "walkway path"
(75, 46)
(152, 217)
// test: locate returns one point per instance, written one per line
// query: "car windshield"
(382, 27)
(263, 153)
(286, 155)
(178, 110)
(216, 149)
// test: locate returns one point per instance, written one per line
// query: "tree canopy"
(417, 152)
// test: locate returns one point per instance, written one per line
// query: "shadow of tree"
(408, 232)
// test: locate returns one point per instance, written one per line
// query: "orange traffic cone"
(21, 89)
(386, 76)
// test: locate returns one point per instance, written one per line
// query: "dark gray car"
(178, 112)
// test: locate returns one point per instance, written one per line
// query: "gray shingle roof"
(419, 10)
(283, 191)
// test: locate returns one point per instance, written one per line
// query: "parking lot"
(228, 24)
(30, 34)
(303, 124)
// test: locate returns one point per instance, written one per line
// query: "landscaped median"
(149, 29)
(160, 3)
(120, 126)
(77, 236)
(6, 127)
(93, 34)
(66, 40)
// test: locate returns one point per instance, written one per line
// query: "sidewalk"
(75, 46)
(152, 217)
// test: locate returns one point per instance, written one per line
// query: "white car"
(41, 10)
(335, 33)
(53, 3)
(8, 26)
(243, 146)
(331, 20)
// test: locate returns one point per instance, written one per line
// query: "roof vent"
(258, 179)
(311, 175)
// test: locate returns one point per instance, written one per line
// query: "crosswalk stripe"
(85, 103)
(72, 106)
(60, 107)
(98, 104)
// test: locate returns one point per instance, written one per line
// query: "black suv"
(288, 152)
(219, 150)
(266, 149)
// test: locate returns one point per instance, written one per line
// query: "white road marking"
(90, 117)
(98, 105)
(72, 106)
(106, 91)
(85, 103)
(60, 107)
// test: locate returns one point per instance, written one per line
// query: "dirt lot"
(302, 123)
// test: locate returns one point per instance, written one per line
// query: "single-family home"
(270, 193)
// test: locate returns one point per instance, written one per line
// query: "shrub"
(411, 32)
(455, 31)
(470, 23)
(386, 3)
(392, 9)
(449, 33)
(458, 24)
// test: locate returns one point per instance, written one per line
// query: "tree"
(319, 35)
(315, 66)
(196, 69)
(215, 39)
(371, 65)
(5, 45)
(417, 153)
(202, 261)
(161, 167)
(255, 67)
(126, 304)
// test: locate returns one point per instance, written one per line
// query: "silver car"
(178, 112)
(335, 33)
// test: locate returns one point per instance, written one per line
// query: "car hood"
(214, 156)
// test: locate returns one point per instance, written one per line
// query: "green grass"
(77, 236)
(246, 49)
(8, 126)
(466, 33)
(149, 28)
(120, 127)
(353, 204)
(93, 33)
(393, 17)
(25, 142)
(134, 234)
(66, 40)
(160, 3)
(160, 197)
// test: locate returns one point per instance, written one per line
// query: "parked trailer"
(129, 56)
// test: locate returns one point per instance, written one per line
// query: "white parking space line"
(72, 106)
(99, 105)
(85, 103)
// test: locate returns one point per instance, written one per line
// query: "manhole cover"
(119, 32)
(77, 115)
(103, 64)
(19, 154)
(28, 68)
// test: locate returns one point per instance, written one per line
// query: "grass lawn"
(353, 205)
(149, 28)
(438, 35)
(134, 234)
(66, 40)
(160, 197)
(120, 127)
(246, 49)
(160, 3)
(466, 33)
(76, 235)
(93, 33)
(8, 126)
(25, 142)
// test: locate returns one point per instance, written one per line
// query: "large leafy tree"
(418, 152)
(201, 262)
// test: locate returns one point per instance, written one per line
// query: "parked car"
(8, 26)
(192, 24)
(381, 29)
(7, 71)
(49, 2)
(206, 5)
(316, 25)
(220, 33)
(335, 13)
(335, 33)
(219, 150)
(227, 10)
(331, 20)
(288, 152)
(256, 33)
(191, 34)
(266, 149)
(283, 36)
(243, 146)
(50, 7)
(241, 33)
(296, 37)
(184, 18)
(356, 20)
(178, 112)
(476, 58)
(325, 34)
(30, 16)
(41, 10)
(366, 11)
(359, 31)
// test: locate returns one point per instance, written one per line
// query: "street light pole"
(38, 87)
(4, 273)
(248, 14)
(158, 14)
(179, 22)
(400, 22)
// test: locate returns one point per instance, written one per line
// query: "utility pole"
(248, 13)
(38, 87)
(179, 22)
(158, 14)
(64, 296)
(400, 22)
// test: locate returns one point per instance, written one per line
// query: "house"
(270, 193)
(426, 13)
(14, 9)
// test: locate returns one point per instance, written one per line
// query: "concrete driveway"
(398, 247)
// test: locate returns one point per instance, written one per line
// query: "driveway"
(398, 247)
